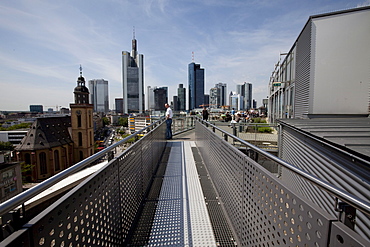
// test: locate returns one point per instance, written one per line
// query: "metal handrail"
(28, 194)
(360, 204)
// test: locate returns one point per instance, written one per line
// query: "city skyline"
(43, 44)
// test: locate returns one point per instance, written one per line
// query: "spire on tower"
(80, 70)
(134, 45)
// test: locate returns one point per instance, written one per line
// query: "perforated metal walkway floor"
(182, 208)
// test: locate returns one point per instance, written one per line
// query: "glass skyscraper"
(223, 93)
(181, 97)
(160, 98)
(133, 80)
(245, 90)
(196, 86)
(99, 95)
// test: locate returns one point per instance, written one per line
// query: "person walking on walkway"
(205, 114)
(168, 121)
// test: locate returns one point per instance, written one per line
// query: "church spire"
(81, 92)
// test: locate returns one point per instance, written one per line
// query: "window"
(56, 160)
(79, 139)
(79, 121)
(43, 164)
(81, 155)
(27, 158)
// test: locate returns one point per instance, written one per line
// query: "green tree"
(123, 121)
(106, 121)
(17, 126)
(6, 146)
(26, 171)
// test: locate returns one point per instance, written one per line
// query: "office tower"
(181, 97)
(160, 98)
(245, 90)
(206, 100)
(175, 103)
(223, 93)
(214, 97)
(99, 95)
(119, 105)
(133, 80)
(248, 96)
(36, 108)
(254, 104)
(196, 86)
(149, 101)
(236, 102)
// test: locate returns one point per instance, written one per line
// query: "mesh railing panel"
(263, 211)
(102, 210)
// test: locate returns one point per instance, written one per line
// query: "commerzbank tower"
(133, 80)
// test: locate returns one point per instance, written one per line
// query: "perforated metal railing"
(101, 210)
(261, 208)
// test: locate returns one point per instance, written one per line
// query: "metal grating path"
(181, 217)
(175, 211)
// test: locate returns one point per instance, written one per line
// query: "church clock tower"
(82, 121)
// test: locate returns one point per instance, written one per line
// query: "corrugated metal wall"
(315, 158)
(303, 65)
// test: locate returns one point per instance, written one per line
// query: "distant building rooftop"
(351, 134)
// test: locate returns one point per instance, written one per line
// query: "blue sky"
(44, 42)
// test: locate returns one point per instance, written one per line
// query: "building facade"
(175, 103)
(160, 98)
(99, 95)
(196, 86)
(149, 101)
(53, 144)
(119, 105)
(223, 93)
(181, 97)
(36, 108)
(133, 80)
(245, 90)
(47, 148)
(214, 97)
(10, 177)
(326, 71)
(12, 136)
(237, 102)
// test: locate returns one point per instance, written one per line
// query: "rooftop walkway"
(182, 212)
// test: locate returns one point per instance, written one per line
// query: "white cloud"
(44, 42)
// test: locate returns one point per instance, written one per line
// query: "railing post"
(347, 214)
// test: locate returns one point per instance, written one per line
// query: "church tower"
(82, 121)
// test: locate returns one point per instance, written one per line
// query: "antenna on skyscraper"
(192, 56)
(133, 32)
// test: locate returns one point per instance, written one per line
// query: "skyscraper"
(119, 105)
(175, 103)
(214, 97)
(99, 95)
(149, 99)
(245, 90)
(181, 97)
(160, 98)
(133, 80)
(196, 86)
(223, 93)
